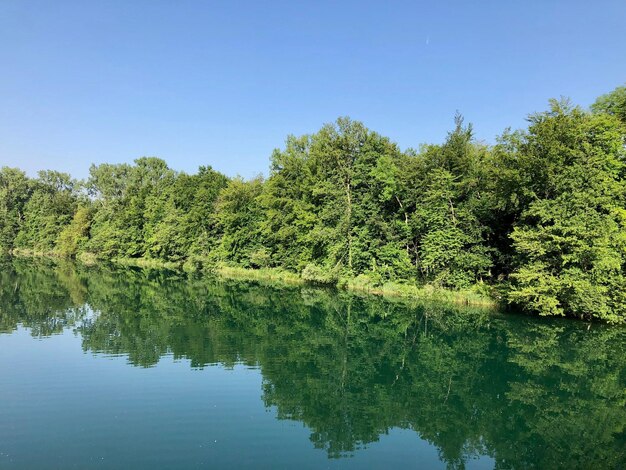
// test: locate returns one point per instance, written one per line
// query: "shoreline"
(468, 297)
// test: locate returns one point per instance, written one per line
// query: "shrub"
(316, 274)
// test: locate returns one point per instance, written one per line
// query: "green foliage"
(331, 200)
(260, 258)
(450, 248)
(238, 217)
(541, 215)
(444, 201)
(613, 103)
(571, 238)
(49, 209)
(15, 191)
(148, 210)
(75, 236)
(315, 274)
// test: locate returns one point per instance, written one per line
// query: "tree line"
(539, 217)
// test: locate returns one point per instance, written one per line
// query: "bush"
(366, 281)
(315, 274)
(200, 265)
(260, 258)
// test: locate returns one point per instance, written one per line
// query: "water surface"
(123, 368)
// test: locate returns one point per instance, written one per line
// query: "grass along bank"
(479, 295)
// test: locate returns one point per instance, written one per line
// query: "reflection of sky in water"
(62, 408)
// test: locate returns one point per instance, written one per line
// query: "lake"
(126, 368)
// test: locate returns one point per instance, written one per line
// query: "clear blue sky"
(223, 83)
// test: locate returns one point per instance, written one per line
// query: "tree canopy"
(539, 216)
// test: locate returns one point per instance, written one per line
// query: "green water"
(111, 368)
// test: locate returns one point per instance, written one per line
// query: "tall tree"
(448, 235)
(238, 217)
(15, 191)
(613, 103)
(49, 209)
(571, 239)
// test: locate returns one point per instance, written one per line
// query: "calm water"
(105, 368)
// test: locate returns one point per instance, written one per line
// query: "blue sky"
(223, 83)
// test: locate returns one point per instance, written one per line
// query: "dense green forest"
(538, 219)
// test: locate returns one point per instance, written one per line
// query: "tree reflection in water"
(531, 393)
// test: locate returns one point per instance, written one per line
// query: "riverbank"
(477, 296)
(431, 293)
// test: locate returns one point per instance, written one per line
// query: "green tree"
(75, 236)
(48, 211)
(451, 252)
(15, 191)
(331, 202)
(443, 189)
(130, 203)
(238, 218)
(109, 186)
(613, 103)
(540, 214)
(194, 199)
(571, 241)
